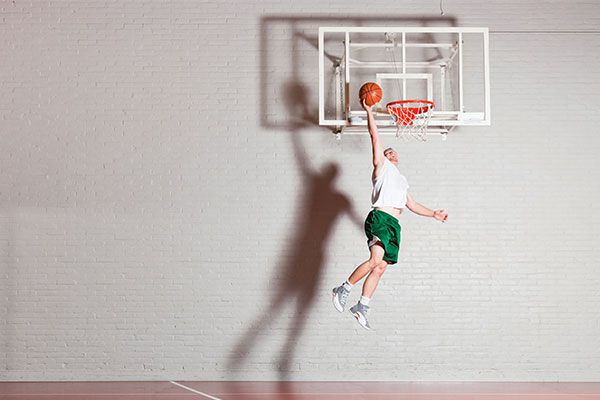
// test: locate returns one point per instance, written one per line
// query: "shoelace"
(344, 295)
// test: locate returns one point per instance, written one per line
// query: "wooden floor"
(187, 390)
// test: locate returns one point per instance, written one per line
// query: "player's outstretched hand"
(440, 215)
(365, 106)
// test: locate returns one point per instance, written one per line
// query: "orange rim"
(401, 103)
(404, 113)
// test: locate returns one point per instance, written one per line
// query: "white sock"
(347, 285)
(364, 300)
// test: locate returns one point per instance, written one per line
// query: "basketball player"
(389, 197)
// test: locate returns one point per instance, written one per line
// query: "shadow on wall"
(300, 274)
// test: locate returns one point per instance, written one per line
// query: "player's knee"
(373, 263)
(380, 268)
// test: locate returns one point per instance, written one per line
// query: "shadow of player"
(300, 273)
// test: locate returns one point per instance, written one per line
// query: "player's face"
(391, 155)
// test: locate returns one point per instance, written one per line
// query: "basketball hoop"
(411, 117)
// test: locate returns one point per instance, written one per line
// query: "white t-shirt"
(390, 187)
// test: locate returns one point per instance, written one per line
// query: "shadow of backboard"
(289, 64)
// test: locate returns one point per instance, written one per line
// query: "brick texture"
(163, 217)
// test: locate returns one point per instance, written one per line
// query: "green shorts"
(381, 227)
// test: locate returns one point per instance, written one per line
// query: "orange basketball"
(371, 93)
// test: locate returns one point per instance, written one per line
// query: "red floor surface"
(187, 390)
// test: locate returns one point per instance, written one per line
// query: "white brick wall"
(149, 205)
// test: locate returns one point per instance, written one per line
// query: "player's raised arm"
(375, 139)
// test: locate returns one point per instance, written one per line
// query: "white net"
(411, 118)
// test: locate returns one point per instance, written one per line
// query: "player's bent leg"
(363, 269)
(340, 294)
(373, 279)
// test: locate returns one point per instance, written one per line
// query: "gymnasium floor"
(187, 390)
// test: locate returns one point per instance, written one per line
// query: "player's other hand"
(440, 215)
(365, 106)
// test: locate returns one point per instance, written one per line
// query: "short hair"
(388, 149)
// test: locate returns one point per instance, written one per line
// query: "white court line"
(195, 391)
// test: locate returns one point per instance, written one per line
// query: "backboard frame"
(353, 121)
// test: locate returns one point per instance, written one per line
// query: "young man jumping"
(389, 197)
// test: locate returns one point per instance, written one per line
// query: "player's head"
(391, 154)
